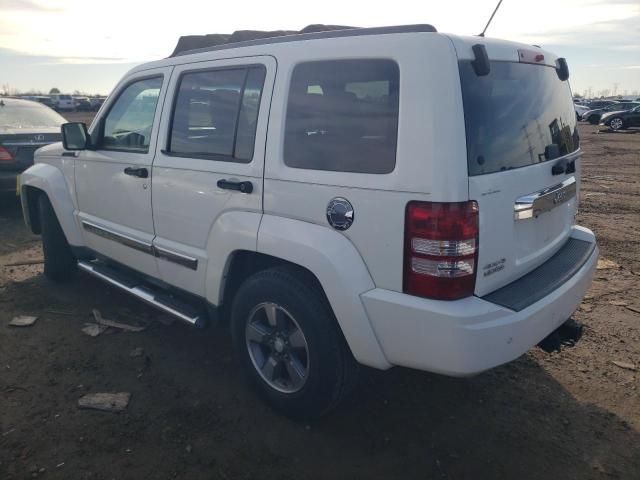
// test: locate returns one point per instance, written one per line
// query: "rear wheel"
(60, 265)
(616, 123)
(289, 343)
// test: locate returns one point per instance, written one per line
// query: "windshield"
(517, 115)
(28, 115)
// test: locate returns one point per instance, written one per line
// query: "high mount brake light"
(441, 249)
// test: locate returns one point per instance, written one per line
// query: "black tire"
(617, 123)
(594, 119)
(60, 265)
(332, 370)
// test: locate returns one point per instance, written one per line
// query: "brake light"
(5, 155)
(441, 249)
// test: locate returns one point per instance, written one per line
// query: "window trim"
(342, 172)
(101, 121)
(216, 157)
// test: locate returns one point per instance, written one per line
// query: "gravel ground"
(574, 414)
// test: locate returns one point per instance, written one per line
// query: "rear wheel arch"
(242, 264)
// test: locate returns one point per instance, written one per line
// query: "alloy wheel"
(616, 124)
(277, 347)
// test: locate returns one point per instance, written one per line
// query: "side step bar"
(129, 284)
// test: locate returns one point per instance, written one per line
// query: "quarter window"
(128, 124)
(216, 113)
(342, 115)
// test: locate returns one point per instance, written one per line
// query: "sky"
(87, 45)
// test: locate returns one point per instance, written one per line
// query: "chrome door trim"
(179, 258)
(533, 204)
(118, 237)
(158, 252)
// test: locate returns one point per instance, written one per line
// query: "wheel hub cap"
(277, 347)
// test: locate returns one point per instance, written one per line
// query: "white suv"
(389, 196)
(63, 102)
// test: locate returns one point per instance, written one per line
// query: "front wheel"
(616, 124)
(60, 265)
(593, 119)
(289, 343)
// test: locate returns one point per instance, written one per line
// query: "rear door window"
(342, 115)
(216, 113)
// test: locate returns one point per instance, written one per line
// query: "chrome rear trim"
(534, 204)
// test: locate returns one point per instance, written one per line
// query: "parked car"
(400, 208)
(63, 102)
(96, 103)
(82, 104)
(580, 109)
(593, 116)
(591, 105)
(25, 126)
(622, 119)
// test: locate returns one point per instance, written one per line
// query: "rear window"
(517, 115)
(342, 116)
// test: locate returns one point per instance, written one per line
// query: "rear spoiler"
(482, 66)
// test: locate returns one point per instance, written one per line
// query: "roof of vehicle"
(252, 38)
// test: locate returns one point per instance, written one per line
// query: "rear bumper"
(8, 181)
(468, 336)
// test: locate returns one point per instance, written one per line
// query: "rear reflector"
(5, 155)
(441, 249)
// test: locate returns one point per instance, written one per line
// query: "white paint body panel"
(118, 202)
(360, 269)
(54, 176)
(187, 203)
(468, 336)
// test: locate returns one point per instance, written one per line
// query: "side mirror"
(75, 136)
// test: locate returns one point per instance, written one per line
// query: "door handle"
(137, 172)
(244, 187)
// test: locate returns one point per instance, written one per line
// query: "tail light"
(441, 249)
(5, 155)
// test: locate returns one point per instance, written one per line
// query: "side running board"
(147, 294)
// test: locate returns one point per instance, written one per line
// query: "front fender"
(333, 259)
(51, 181)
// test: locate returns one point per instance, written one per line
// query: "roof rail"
(298, 37)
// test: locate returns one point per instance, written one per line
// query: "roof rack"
(347, 32)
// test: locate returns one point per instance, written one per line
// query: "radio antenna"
(491, 18)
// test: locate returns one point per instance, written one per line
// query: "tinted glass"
(248, 119)
(129, 122)
(25, 114)
(342, 115)
(216, 112)
(513, 114)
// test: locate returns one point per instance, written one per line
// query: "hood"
(53, 149)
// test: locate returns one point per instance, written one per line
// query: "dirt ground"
(568, 415)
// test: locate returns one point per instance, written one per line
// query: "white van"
(387, 196)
